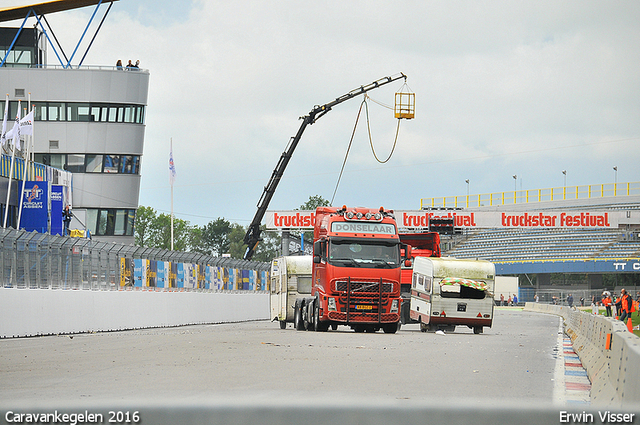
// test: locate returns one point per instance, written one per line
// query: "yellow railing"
(533, 195)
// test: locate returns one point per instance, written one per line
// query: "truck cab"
(356, 271)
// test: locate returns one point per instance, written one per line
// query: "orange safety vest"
(606, 301)
(625, 304)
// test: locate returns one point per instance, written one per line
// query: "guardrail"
(43, 261)
(533, 195)
(607, 350)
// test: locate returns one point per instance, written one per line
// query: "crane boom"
(252, 237)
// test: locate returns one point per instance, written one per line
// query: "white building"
(89, 120)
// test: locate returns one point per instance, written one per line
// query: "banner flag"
(172, 167)
(14, 133)
(24, 127)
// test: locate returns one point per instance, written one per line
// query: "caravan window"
(304, 284)
(461, 291)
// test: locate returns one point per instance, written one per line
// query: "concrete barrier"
(31, 312)
(607, 350)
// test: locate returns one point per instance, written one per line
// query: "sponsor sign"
(290, 219)
(35, 207)
(482, 219)
(501, 219)
(57, 226)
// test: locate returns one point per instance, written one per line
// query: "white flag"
(16, 132)
(25, 126)
(172, 167)
(3, 136)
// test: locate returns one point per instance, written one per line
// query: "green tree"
(314, 202)
(214, 238)
(161, 233)
(237, 246)
(145, 217)
(270, 246)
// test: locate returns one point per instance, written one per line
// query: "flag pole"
(24, 173)
(16, 131)
(171, 177)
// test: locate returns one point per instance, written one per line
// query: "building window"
(129, 164)
(111, 163)
(83, 112)
(94, 164)
(110, 221)
(90, 163)
(75, 163)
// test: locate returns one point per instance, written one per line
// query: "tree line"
(216, 238)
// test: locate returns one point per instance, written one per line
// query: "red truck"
(356, 272)
(426, 244)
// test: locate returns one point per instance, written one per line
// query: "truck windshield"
(352, 252)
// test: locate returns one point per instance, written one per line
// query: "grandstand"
(547, 244)
(554, 261)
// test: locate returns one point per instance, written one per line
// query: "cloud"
(501, 88)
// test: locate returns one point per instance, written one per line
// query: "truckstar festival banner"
(483, 219)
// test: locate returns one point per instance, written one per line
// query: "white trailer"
(505, 285)
(446, 292)
(290, 279)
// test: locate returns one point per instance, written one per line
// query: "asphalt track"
(511, 364)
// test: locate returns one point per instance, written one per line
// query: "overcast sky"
(502, 88)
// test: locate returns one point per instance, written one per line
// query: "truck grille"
(363, 317)
(362, 288)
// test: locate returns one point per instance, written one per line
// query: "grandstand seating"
(540, 244)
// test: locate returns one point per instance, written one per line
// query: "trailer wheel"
(283, 324)
(477, 330)
(424, 327)
(298, 324)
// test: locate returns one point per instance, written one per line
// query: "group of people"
(620, 307)
(130, 66)
(511, 301)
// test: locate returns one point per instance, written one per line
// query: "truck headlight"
(332, 304)
(394, 306)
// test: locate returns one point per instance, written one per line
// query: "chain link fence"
(43, 261)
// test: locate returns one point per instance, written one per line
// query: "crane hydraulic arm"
(252, 237)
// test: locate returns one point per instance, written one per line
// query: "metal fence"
(43, 261)
(527, 196)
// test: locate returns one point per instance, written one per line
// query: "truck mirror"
(316, 259)
(407, 263)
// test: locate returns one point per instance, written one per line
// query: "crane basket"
(405, 104)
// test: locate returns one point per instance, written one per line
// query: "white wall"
(29, 312)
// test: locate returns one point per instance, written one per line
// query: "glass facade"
(110, 221)
(81, 112)
(91, 163)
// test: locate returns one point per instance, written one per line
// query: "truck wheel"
(298, 324)
(283, 324)
(308, 316)
(390, 328)
(320, 326)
